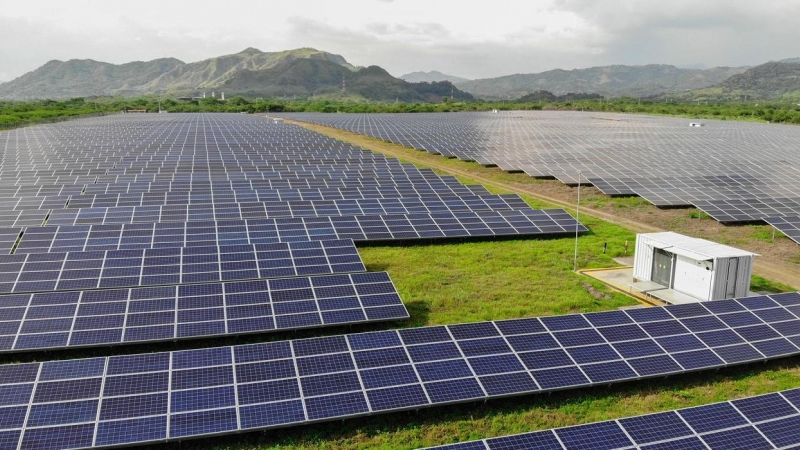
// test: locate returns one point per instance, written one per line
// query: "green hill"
(83, 78)
(304, 72)
(430, 77)
(608, 81)
(770, 81)
(320, 78)
(86, 77)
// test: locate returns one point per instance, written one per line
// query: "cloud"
(402, 49)
(471, 39)
(716, 32)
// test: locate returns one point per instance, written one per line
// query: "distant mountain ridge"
(307, 72)
(608, 81)
(86, 77)
(431, 77)
(306, 78)
(304, 72)
(79, 78)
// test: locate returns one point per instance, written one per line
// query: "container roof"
(694, 247)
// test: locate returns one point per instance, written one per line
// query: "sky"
(471, 39)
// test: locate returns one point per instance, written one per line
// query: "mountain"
(82, 78)
(608, 81)
(430, 77)
(550, 97)
(86, 77)
(770, 81)
(315, 77)
(213, 72)
(767, 81)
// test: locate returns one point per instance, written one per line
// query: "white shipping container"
(699, 268)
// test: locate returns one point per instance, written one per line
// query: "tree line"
(17, 113)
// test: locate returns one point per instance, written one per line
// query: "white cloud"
(472, 39)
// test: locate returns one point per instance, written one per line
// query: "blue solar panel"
(124, 316)
(66, 233)
(160, 266)
(719, 426)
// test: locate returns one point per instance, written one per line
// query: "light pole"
(577, 224)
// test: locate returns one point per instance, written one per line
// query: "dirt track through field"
(778, 261)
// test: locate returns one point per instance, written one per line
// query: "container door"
(662, 267)
(692, 277)
(730, 282)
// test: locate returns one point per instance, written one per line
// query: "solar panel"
(123, 316)
(737, 424)
(8, 238)
(750, 209)
(788, 225)
(291, 208)
(372, 228)
(190, 212)
(289, 198)
(195, 393)
(67, 271)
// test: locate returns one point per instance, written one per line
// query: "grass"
(761, 284)
(765, 233)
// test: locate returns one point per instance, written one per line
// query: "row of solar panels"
(402, 205)
(190, 196)
(146, 231)
(287, 177)
(90, 318)
(770, 421)
(375, 227)
(277, 187)
(65, 271)
(141, 398)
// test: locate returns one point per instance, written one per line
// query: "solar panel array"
(725, 163)
(770, 421)
(132, 229)
(143, 398)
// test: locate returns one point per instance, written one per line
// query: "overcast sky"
(473, 39)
